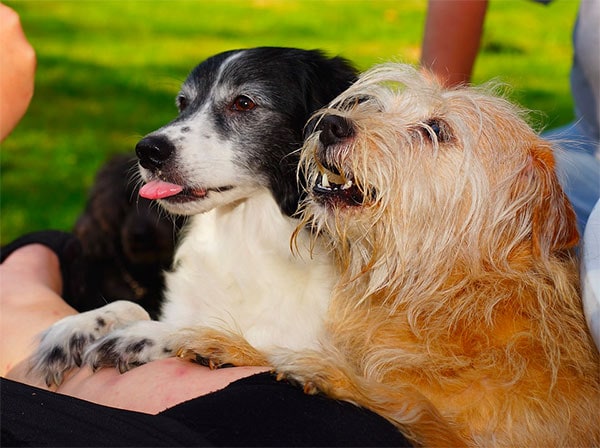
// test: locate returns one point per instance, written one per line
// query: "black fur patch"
(77, 344)
(57, 356)
(138, 346)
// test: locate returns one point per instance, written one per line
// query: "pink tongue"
(157, 189)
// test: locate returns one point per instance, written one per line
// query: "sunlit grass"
(108, 71)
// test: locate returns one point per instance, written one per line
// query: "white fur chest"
(234, 270)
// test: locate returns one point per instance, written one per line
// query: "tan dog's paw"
(211, 358)
(308, 386)
(216, 349)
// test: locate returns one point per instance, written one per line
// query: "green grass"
(108, 72)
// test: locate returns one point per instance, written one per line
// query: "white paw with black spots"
(63, 345)
(132, 346)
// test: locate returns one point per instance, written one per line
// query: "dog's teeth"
(325, 181)
(347, 185)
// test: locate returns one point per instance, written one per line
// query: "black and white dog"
(229, 159)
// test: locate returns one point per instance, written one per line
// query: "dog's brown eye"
(182, 102)
(242, 104)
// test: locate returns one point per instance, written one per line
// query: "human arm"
(17, 62)
(453, 31)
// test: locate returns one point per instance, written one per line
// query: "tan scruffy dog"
(457, 315)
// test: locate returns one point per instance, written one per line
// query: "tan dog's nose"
(334, 129)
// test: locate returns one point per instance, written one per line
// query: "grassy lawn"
(108, 72)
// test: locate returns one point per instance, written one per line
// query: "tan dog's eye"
(438, 130)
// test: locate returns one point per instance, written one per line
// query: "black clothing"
(253, 411)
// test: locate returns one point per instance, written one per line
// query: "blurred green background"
(108, 72)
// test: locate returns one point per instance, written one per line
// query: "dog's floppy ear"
(318, 79)
(554, 225)
(329, 78)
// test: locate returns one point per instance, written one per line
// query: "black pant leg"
(36, 417)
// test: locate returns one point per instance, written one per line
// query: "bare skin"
(30, 302)
(453, 31)
(16, 84)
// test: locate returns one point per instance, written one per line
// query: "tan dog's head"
(411, 179)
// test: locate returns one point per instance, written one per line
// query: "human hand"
(17, 71)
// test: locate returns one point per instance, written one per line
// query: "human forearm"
(452, 36)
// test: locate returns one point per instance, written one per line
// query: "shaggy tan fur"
(458, 314)
(458, 279)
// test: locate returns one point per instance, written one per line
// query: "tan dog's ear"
(554, 225)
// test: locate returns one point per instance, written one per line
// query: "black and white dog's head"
(240, 125)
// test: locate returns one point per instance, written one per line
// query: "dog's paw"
(131, 346)
(313, 371)
(216, 348)
(63, 345)
(308, 385)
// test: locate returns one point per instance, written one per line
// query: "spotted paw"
(131, 346)
(63, 345)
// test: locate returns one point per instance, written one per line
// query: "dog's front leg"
(403, 405)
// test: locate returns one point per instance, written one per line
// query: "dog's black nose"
(334, 129)
(153, 151)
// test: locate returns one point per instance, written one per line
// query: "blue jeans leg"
(578, 168)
